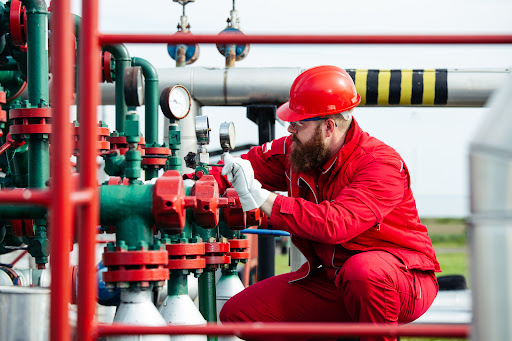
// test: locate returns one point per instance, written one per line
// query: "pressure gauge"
(175, 102)
(202, 130)
(227, 136)
(133, 86)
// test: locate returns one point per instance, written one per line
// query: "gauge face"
(179, 102)
(227, 136)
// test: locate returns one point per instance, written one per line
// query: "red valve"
(254, 217)
(18, 23)
(234, 215)
(206, 191)
(170, 203)
(23, 227)
(106, 67)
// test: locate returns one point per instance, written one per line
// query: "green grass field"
(449, 237)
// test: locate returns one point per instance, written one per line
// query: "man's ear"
(330, 126)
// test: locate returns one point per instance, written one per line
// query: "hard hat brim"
(288, 115)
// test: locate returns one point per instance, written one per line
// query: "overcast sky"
(434, 142)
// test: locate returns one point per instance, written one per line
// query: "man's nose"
(291, 129)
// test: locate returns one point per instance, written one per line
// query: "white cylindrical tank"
(136, 308)
(24, 313)
(228, 285)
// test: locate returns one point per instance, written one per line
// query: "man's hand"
(241, 175)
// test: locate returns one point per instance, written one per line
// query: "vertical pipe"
(266, 244)
(37, 52)
(88, 219)
(61, 220)
(151, 98)
(123, 60)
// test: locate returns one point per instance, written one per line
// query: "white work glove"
(241, 175)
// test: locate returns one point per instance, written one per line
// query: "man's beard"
(305, 157)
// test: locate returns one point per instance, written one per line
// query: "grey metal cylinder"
(228, 286)
(180, 310)
(136, 308)
(491, 221)
(24, 313)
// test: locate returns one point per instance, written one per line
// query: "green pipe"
(177, 284)
(151, 99)
(128, 208)
(37, 52)
(38, 162)
(174, 160)
(206, 283)
(123, 60)
(22, 212)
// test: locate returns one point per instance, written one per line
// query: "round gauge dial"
(227, 136)
(175, 102)
(134, 86)
(202, 130)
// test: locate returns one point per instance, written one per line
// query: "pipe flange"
(107, 70)
(120, 143)
(101, 131)
(186, 256)
(28, 121)
(216, 254)
(135, 266)
(23, 227)
(18, 23)
(155, 157)
(239, 249)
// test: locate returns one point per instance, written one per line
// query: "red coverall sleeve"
(268, 162)
(375, 190)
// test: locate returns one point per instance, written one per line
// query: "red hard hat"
(319, 91)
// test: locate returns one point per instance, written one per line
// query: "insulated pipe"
(298, 330)
(123, 60)
(491, 221)
(89, 71)
(247, 86)
(61, 220)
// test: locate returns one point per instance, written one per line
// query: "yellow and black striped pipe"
(401, 87)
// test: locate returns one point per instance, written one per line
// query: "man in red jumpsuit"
(350, 211)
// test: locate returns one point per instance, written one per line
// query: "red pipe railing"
(89, 79)
(302, 39)
(26, 196)
(89, 74)
(302, 330)
(61, 219)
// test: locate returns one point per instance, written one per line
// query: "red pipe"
(302, 39)
(26, 196)
(5, 146)
(61, 207)
(89, 74)
(83, 196)
(20, 256)
(301, 330)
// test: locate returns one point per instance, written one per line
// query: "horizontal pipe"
(249, 86)
(302, 39)
(266, 232)
(26, 196)
(302, 330)
(83, 196)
